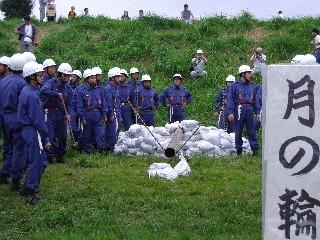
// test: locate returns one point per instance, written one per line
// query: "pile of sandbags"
(164, 170)
(138, 141)
(304, 59)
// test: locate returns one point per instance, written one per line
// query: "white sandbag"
(190, 123)
(162, 131)
(163, 170)
(182, 168)
(225, 144)
(131, 143)
(133, 151)
(212, 137)
(149, 140)
(146, 148)
(134, 130)
(138, 142)
(204, 146)
(172, 126)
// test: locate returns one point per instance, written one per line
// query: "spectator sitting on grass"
(258, 60)
(198, 64)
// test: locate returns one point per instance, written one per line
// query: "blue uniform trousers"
(93, 133)
(126, 116)
(177, 114)
(148, 118)
(7, 152)
(224, 122)
(112, 132)
(36, 162)
(75, 124)
(317, 55)
(57, 129)
(247, 120)
(16, 145)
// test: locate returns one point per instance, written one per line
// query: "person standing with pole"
(42, 4)
(53, 94)
(243, 106)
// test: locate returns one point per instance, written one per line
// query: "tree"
(16, 8)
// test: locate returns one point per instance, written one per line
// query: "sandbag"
(149, 149)
(182, 168)
(204, 146)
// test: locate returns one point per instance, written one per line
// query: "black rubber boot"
(239, 152)
(30, 196)
(60, 159)
(4, 179)
(50, 159)
(16, 185)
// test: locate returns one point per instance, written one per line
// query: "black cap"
(27, 18)
(186, 5)
(315, 30)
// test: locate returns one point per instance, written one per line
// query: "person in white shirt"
(258, 60)
(187, 14)
(316, 44)
(27, 35)
(281, 15)
(198, 63)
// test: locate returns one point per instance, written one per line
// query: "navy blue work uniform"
(46, 78)
(243, 104)
(221, 102)
(126, 95)
(14, 147)
(30, 118)
(148, 102)
(55, 118)
(74, 117)
(111, 93)
(136, 85)
(175, 98)
(317, 55)
(92, 110)
(258, 92)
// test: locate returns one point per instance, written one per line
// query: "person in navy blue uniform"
(74, 118)
(92, 109)
(176, 98)
(258, 92)
(30, 117)
(111, 94)
(50, 70)
(4, 67)
(243, 106)
(98, 72)
(220, 108)
(135, 83)
(148, 101)
(14, 151)
(53, 94)
(126, 94)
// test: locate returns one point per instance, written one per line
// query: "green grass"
(111, 197)
(108, 197)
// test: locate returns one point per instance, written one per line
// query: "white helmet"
(78, 73)
(123, 71)
(230, 78)
(65, 68)
(244, 68)
(145, 77)
(88, 73)
(199, 51)
(49, 63)
(31, 68)
(5, 60)
(134, 70)
(97, 70)
(177, 76)
(17, 62)
(30, 57)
